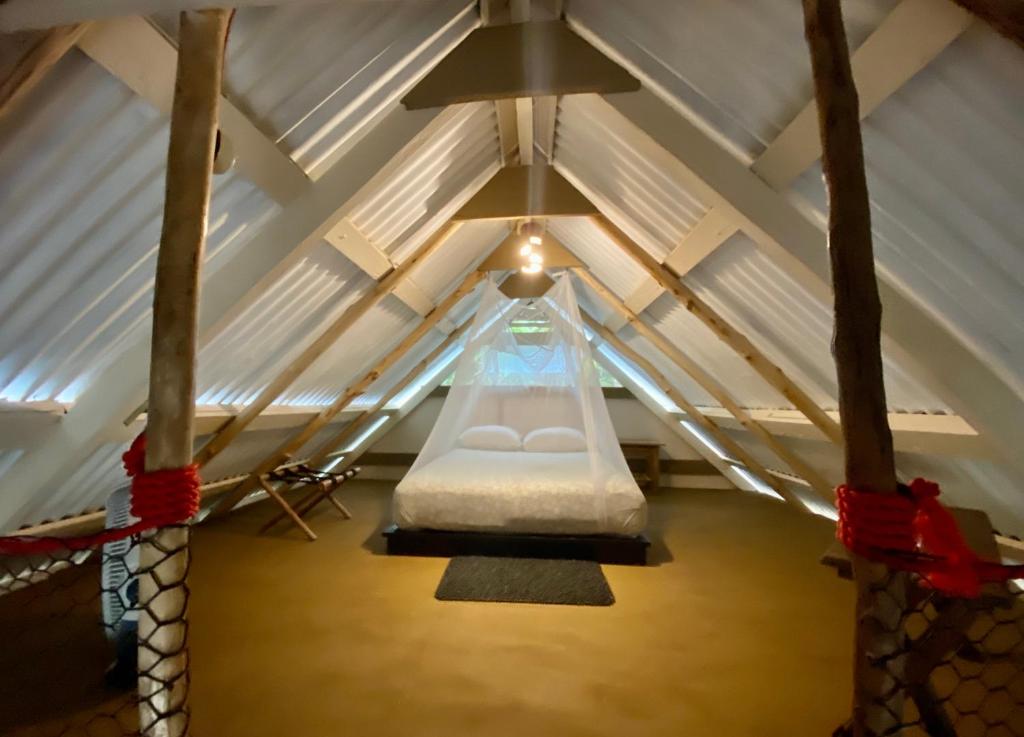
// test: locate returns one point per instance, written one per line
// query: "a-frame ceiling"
(710, 169)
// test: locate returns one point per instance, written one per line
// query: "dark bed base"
(447, 544)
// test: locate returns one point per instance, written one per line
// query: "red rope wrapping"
(912, 531)
(159, 498)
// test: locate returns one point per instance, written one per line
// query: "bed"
(518, 492)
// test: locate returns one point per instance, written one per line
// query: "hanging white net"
(524, 442)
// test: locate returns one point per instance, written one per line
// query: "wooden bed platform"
(447, 544)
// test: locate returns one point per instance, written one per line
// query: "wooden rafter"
(334, 444)
(298, 440)
(729, 335)
(699, 418)
(41, 52)
(318, 347)
(710, 385)
(519, 60)
(1006, 17)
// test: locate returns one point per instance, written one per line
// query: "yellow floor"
(738, 631)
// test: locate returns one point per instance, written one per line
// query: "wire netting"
(944, 666)
(70, 628)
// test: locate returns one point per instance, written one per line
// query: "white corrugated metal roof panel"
(610, 264)
(625, 173)
(943, 158)
(265, 338)
(740, 67)
(81, 197)
(406, 203)
(467, 247)
(313, 75)
(790, 325)
(368, 340)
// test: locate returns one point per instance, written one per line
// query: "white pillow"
(490, 437)
(555, 440)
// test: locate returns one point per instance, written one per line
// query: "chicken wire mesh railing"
(69, 622)
(954, 666)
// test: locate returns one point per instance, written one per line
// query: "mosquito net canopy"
(524, 440)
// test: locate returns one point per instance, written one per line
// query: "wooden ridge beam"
(142, 57)
(42, 51)
(298, 440)
(699, 418)
(234, 427)
(729, 335)
(711, 386)
(520, 60)
(525, 192)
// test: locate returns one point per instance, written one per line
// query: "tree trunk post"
(164, 555)
(867, 440)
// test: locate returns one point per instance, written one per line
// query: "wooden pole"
(298, 440)
(699, 418)
(48, 49)
(764, 366)
(234, 427)
(870, 466)
(164, 555)
(712, 387)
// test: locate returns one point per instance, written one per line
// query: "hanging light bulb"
(532, 268)
(526, 250)
(535, 240)
(536, 258)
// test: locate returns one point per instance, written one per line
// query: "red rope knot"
(912, 531)
(163, 497)
(159, 498)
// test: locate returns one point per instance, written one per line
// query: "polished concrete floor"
(735, 630)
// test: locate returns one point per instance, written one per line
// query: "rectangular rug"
(525, 581)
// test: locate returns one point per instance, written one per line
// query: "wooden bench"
(650, 452)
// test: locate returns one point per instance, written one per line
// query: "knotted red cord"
(159, 498)
(912, 531)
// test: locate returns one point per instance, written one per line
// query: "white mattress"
(503, 491)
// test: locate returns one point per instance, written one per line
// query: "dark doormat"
(525, 580)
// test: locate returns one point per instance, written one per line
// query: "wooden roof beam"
(707, 424)
(40, 52)
(519, 60)
(294, 443)
(711, 386)
(233, 428)
(744, 348)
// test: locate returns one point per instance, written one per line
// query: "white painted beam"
(357, 248)
(144, 59)
(411, 294)
(524, 129)
(545, 118)
(98, 416)
(945, 435)
(913, 34)
(508, 130)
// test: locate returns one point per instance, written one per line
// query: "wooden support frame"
(43, 51)
(710, 385)
(705, 423)
(298, 440)
(765, 367)
(520, 60)
(164, 553)
(234, 427)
